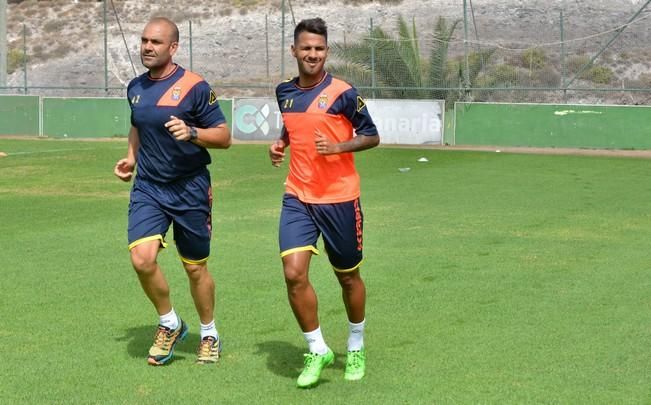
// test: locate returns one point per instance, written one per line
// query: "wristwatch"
(193, 134)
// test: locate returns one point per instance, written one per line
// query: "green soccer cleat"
(355, 365)
(314, 364)
(164, 342)
(210, 349)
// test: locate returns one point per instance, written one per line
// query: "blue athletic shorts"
(186, 203)
(341, 225)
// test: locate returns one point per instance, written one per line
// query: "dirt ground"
(642, 154)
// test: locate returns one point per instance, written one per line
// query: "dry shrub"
(53, 26)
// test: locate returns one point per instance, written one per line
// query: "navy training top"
(185, 95)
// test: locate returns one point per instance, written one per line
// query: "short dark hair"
(313, 26)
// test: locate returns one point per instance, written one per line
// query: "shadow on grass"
(286, 360)
(140, 338)
(283, 359)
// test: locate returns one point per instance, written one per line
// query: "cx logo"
(249, 119)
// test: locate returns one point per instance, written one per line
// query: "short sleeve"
(354, 108)
(206, 111)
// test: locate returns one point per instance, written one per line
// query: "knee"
(295, 276)
(143, 264)
(349, 281)
(195, 271)
(295, 268)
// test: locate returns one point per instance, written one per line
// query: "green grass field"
(492, 278)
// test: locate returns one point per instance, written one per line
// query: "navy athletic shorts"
(341, 225)
(185, 203)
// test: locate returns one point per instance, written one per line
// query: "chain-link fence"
(481, 50)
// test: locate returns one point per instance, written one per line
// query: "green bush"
(574, 63)
(503, 74)
(245, 3)
(54, 26)
(600, 74)
(533, 59)
(15, 60)
(547, 77)
(61, 50)
(645, 79)
(595, 74)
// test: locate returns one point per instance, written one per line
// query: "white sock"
(315, 341)
(170, 320)
(209, 330)
(356, 336)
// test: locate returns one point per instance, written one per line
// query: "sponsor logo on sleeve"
(360, 104)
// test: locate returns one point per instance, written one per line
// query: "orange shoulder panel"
(328, 95)
(179, 90)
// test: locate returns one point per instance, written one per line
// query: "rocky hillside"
(239, 43)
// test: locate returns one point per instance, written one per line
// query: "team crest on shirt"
(176, 93)
(323, 101)
(213, 98)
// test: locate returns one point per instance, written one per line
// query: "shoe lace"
(354, 359)
(206, 346)
(163, 338)
(310, 360)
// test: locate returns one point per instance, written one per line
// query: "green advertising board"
(19, 115)
(85, 117)
(94, 117)
(553, 125)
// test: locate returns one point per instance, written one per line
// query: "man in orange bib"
(325, 121)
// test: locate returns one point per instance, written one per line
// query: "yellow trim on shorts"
(348, 270)
(299, 249)
(190, 261)
(159, 237)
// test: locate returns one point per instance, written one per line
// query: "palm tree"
(393, 67)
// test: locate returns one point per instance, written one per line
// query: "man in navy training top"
(175, 116)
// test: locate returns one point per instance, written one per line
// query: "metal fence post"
(282, 40)
(3, 43)
(190, 40)
(563, 73)
(266, 42)
(372, 57)
(466, 73)
(25, 58)
(105, 52)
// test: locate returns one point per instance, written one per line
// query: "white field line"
(50, 151)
